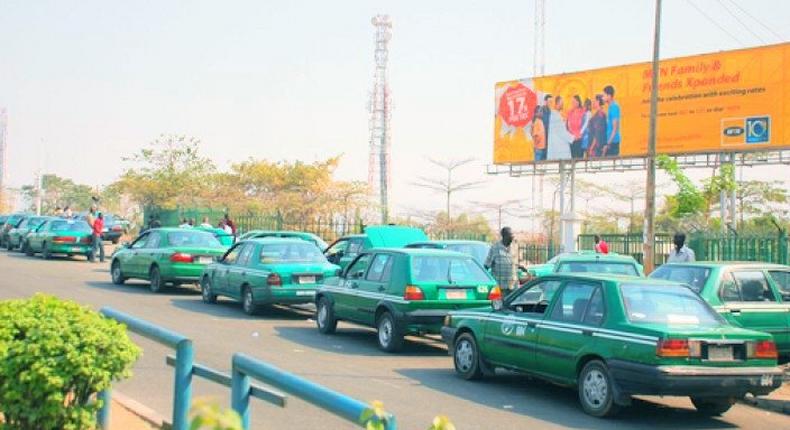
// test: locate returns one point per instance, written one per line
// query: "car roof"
(175, 229)
(452, 242)
(730, 264)
(608, 277)
(589, 256)
(422, 252)
(270, 240)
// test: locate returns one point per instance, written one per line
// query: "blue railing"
(245, 368)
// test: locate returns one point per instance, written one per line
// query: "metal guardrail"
(245, 368)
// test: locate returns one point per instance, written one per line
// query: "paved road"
(415, 385)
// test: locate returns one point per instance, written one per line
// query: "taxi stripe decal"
(370, 295)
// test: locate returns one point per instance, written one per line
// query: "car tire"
(116, 240)
(27, 249)
(205, 291)
(466, 357)
(389, 335)
(117, 273)
(325, 316)
(45, 251)
(712, 406)
(155, 279)
(248, 301)
(8, 246)
(596, 393)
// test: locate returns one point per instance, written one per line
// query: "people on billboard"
(559, 141)
(586, 128)
(539, 134)
(612, 147)
(548, 101)
(597, 129)
(574, 123)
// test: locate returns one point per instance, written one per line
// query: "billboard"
(722, 102)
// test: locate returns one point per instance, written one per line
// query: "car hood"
(392, 236)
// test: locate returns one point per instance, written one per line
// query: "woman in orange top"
(539, 134)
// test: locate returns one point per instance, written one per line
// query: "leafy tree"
(760, 199)
(59, 192)
(689, 200)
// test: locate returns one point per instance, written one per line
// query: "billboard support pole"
(733, 197)
(723, 199)
(563, 179)
(650, 192)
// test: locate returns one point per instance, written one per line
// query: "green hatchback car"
(166, 255)
(60, 236)
(587, 261)
(347, 248)
(286, 234)
(17, 236)
(613, 337)
(750, 295)
(267, 271)
(403, 292)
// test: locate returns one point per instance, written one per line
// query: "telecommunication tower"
(380, 109)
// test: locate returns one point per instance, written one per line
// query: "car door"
(237, 272)
(336, 251)
(129, 264)
(567, 330)
(511, 333)
(751, 302)
(35, 238)
(145, 255)
(375, 285)
(348, 301)
(781, 283)
(221, 272)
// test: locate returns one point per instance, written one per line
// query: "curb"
(144, 412)
(774, 405)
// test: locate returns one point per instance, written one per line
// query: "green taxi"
(17, 236)
(402, 291)
(267, 271)
(166, 255)
(9, 222)
(347, 248)
(613, 337)
(225, 238)
(750, 295)
(475, 248)
(587, 261)
(60, 236)
(310, 237)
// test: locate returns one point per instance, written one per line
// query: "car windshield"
(70, 225)
(441, 269)
(13, 220)
(291, 252)
(478, 251)
(35, 221)
(193, 238)
(610, 267)
(694, 277)
(666, 304)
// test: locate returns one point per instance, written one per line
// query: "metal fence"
(536, 253)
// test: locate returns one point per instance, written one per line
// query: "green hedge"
(55, 356)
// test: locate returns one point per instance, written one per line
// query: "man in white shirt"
(681, 253)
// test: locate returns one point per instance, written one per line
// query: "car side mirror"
(497, 304)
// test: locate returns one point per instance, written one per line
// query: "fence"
(245, 368)
(536, 253)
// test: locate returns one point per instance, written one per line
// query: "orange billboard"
(711, 103)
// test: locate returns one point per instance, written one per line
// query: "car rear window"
(193, 238)
(447, 270)
(598, 267)
(694, 277)
(478, 251)
(75, 226)
(292, 252)
(666, 304)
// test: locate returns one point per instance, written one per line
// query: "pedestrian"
(98, 245)
(612, 147)
(501, 262)
(155, 223)
(184, 223)
(230, 224)
(681, 253)
(67, 212)
(58, 211)
(205, 223)
(225, 227)
(192, 222)
(90, 217)
(601, 246)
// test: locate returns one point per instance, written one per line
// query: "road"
(415, 385)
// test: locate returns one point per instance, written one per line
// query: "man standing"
(681, 253)
(98, 245)
(601, 246)
(500, 262)
(612, 147)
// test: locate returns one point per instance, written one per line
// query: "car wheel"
(390, 338)
(325, 316)
(712, 406)
(45, 251)
(155, 277)
(595, 390)
(248, 302)
(116, 273)
(466, 357)
(116, 240)
(27, 249)
(205, 291)
(8, 246)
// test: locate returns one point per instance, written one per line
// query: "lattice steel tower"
(380, 112)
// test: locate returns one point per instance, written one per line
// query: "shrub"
(55, 356)
(209, 416)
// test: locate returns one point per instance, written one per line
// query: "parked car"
(114, 228)
(749, 295)
(17, 236)
(60, 236)
(613, 337)
(347, 248)
(225, 238)
(267, 271)
(588, 261)
(166, 255)
(403, 292)
(11, 221)
(260, 234)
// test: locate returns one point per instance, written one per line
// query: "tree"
(447, 186)
(761, 198)
(59, 192)
(689, 200)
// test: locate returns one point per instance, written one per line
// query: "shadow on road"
(226, 308)
(356, 341)
(141, 288)
(58, 257)
(559, 405)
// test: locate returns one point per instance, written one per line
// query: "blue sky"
(97, 80)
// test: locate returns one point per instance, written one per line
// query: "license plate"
(767, 380)
(455, 294)
(76, 249)
(719, 353)
(205, 260)
(305, 293)
(307, 279)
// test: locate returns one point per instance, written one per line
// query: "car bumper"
(70, 249)
(266, 296)
(702, 381)
(187, 272)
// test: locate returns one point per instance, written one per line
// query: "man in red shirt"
(98, 245)
(601, 246)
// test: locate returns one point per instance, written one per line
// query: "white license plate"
(455, 294)
(307, 279)
(305, 293)
(767, 380)
(76, 249)
(719, 353)
(204, 260)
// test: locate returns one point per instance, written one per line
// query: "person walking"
(501, 262)
(681, 253)
(98, 244)
(205, 223)
(601, 246)
(229, 222)
(184, 223)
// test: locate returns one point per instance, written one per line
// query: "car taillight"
(673, 348)
(274, 280)
(495, 294)
(180, 257)
(64, 239)
(86, 239)
(762, 349)
(116, 228)
(413, 293)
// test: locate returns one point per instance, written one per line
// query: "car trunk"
(301, 274)
(200, 255)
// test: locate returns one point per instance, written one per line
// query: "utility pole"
(650, 192)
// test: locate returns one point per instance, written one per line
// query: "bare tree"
(446, 185)
(500, 208)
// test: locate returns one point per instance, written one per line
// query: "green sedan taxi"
(267, 271)
(10, 221)
(613, 337)
(60, 236)
(166, 255)
(402, 291)
(17, 236)
(347, 248)
(749, 294)
(310, 237)
(587, 261)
